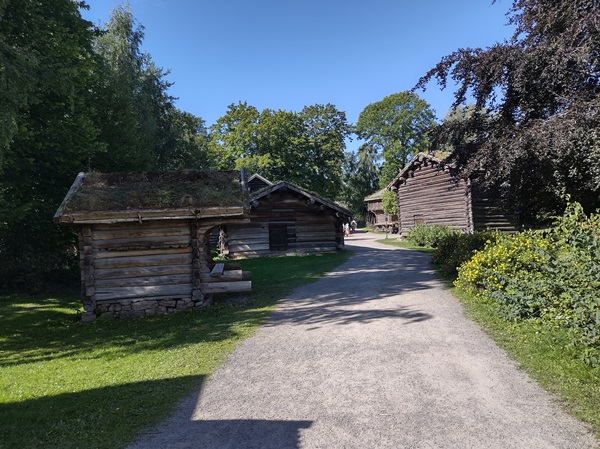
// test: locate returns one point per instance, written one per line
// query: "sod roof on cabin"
(191, 189)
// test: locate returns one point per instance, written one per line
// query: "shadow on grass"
(41, 329)
(32, 334)
(96, 418)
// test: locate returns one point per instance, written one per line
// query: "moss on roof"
(157, 190)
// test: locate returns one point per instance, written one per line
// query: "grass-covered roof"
(191, 189)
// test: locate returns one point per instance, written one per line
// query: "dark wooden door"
(278, 237)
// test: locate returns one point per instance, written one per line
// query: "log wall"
(488, 215)
(135, 269)
(310, 228)
(433, 196)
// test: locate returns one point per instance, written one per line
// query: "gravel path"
(375, 355)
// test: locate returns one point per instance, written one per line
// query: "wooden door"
(278, 237)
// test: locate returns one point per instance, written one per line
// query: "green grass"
(65, 384)
(405, 244)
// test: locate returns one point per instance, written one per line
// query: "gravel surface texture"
(376, 354)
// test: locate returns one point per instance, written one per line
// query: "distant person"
(353, 226)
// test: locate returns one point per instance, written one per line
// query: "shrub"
(429, 235)
(552, 275)
(455, 249)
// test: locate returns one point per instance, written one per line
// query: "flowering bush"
(429, 235)
(455, 249)
(552, 275)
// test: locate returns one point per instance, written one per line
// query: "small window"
(419, 219)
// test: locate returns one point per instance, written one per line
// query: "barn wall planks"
(433, 196)
(133, 269)
(427, 193)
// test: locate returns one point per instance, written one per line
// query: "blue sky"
(291, 54)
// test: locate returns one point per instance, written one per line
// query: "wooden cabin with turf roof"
(428, 193)
(285, 219)
(144, 239)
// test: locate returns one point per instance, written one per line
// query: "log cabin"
(375, 217)
(285, 219)
(428, 193)
(144, 239)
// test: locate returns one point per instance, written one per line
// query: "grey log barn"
(375, 217)
(428, 193)
(285, 219)
(144, 239)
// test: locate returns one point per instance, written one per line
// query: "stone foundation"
(143, 307)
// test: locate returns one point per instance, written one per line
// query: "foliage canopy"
(535, 124)
(398, 127)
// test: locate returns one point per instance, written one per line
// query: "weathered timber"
(184, 278)
(139, 252)
(217, 270)
(144, 261)
(226, 287)
(176, 291)
(428, 193)
(144, 242)
(133, 272)
(124, 216)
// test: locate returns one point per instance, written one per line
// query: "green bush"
(552, 275)
(429, 235)
(456, 248)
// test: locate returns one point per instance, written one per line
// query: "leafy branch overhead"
(397, 127)
(535, 125)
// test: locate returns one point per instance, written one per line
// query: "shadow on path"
(356, 291)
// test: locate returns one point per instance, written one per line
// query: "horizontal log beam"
(226, 287)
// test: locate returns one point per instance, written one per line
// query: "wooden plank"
(135, 272)
(144, 242)
(252, 247)
(141, 232)
(217, 270)
(226, 287)
(104, 254)
(146, 224)
(184, 290)
(159, 214)
(145, 261)
(58, 216)
(227, 276)
(171, 279)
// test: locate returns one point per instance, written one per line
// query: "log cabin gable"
(285, 218)
(429, 193)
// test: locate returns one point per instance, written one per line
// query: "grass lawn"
(540, 351)
(404, 244)
(65, 384)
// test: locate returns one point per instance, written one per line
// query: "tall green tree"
(185, 144)
(135, 110)
(48, 129)
(325, 132)
(361, 178)
(305, 148)
(398, 126)
(536, 121)
(234, 136)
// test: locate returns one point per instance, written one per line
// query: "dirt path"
(375, 355)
